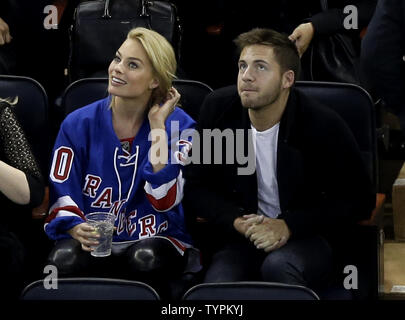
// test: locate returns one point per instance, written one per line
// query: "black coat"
(323, 183)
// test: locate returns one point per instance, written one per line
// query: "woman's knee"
(155, 256)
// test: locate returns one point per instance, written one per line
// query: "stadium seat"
(249, 291)
(85, 91)
(356, 107)
(192, 95)
(32, 112)
(89, 289)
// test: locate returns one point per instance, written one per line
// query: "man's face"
(259, 77)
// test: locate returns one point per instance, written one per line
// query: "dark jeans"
(13, 256)
(305, 262)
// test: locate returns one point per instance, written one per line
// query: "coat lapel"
(247, 184)
(289, 158)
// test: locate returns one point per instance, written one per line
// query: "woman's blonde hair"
(10, 101)
(161, 55)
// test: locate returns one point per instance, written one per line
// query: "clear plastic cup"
(103, 222)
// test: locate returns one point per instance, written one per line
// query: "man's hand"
(269, 235)
(5, 36)
(302, 36)
(85, 234)
(242, 224)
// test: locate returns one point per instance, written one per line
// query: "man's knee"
(68, 257)
(305, 262)
(279, 267)
(234, 263)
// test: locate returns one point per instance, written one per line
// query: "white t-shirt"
(265, 143)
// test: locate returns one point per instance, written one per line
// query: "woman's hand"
(158, 114)
(85, 234)
(159, 154)
(302, 36)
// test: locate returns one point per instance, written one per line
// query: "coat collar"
(288, 119)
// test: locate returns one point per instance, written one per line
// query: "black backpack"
(100, 27)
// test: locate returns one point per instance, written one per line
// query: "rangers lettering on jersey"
(92, 170)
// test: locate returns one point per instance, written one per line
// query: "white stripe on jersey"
(63, 202)
(161, 195)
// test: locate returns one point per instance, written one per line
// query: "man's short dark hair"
(284, 49)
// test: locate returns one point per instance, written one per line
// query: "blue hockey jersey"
(92, 172)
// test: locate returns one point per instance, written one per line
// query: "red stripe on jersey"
(177, 243)
(166, 202)
(72, 209)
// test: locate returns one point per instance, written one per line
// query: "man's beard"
(262, 105)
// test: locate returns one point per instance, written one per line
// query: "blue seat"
(85, 91)
(32, 113)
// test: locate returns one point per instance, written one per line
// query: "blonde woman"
(111, 156)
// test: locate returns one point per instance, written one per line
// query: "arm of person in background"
(302, 36)
(330, 22)
(14, 184)
(382, 56)
(20, 177)
(5, 36)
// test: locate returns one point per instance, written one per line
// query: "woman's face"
(130, 72)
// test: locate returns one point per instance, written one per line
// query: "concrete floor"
(394, 250)
(394, 267)
(394, 262)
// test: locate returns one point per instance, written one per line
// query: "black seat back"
(361, 245)
(249, 291)
(89, 289)
(356, 107)
(85, 91)
(32, 113)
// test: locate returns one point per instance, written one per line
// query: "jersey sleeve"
(65, 182)
(164, 189)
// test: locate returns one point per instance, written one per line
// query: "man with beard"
(310, 186)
